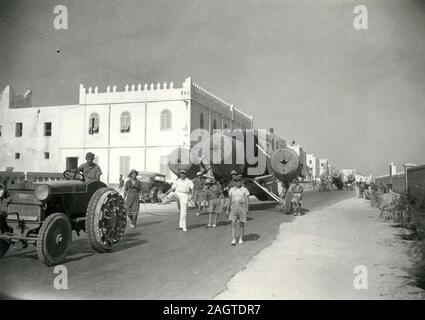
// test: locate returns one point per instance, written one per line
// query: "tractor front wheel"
(54, 239)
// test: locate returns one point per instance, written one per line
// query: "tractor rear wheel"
(54, 239)
(106, 219)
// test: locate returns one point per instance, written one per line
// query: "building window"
(17, 156)
(94, 123)
(225, 126)
(18, 129)
(47, 129)
(165, 120)
(0, 131)
(47, 155)
(201, 121)
(125, 122)
(215, 124)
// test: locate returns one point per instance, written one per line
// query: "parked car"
(154, 184)
(45, 214)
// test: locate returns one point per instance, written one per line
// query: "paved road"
(155, 260)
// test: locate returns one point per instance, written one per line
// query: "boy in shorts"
(214, 196)
(297, 198)
(238, 204)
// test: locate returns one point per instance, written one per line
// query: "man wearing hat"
(90, 169)
(214, 196)
(238, 205)
(183, 187)
(198, 186)
(132, 189)
(234, 174)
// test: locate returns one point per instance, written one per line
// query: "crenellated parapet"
(134, 93)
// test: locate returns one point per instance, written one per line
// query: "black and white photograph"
(212, 150)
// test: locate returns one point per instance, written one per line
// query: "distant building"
(313, 163)
(273, 142)
(302, 155)
(135, 128)
(323, 167)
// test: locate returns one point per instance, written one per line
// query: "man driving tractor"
(91, 170)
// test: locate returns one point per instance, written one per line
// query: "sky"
(353, 96)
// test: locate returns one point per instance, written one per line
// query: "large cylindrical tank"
(351, 178)
(285, 164)
(219, 151)
(338, 179)
(181, 158)
(226, 152)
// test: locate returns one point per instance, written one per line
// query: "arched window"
(202, 121)
(215, 124)
(94, 123)
(165, 120)
(125, 122)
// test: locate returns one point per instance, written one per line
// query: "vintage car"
(153, 184)
(46, 213)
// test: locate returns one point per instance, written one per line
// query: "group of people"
(362, 188)
(206, 192)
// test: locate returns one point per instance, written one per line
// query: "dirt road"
(315, 258)
(156, 260)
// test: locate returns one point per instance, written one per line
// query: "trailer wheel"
(106, 219)
(4, 246)
(54, 239)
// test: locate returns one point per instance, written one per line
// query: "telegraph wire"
(18, 26)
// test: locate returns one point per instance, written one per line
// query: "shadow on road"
(251, 237)
(196, 226)
(149, 223)
(262, 205)
(304, 211)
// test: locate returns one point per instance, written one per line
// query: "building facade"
(313, 164)
(323, 167)
(134, 128)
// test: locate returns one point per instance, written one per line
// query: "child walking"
(238, 204)
(214, 196)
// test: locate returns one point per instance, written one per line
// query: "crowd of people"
(363, 188)
(208, 194)
(204, 192)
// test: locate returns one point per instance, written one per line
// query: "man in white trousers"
(183, 187)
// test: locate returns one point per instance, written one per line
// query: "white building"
(313, 164)
(302, 155)
(134, 128)
(323, 166)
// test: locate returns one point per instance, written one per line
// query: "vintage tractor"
(45, 214)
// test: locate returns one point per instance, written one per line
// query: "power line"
(15, 24)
